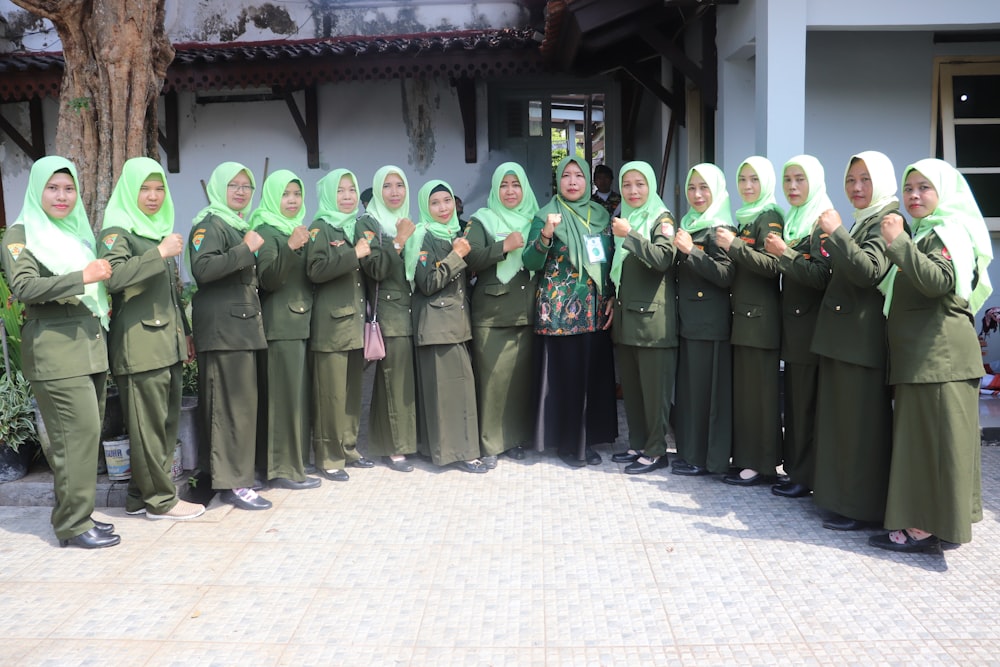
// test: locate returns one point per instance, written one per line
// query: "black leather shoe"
(837, 522)
(629, 456)
(101, 527)
(791, 490)
(681, 467)
(489, 461)
(593, 458)
(92, 539)
(285, 483)
(638, 467)
(362, 463)
(472, 466)
(516, 453)
(929, 545)
(335, 475)
(571, 460)
(256, 503)
(735, 479)
(402, 465)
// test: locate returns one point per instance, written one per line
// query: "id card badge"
(595, 249)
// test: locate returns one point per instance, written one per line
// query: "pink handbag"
(374, 345)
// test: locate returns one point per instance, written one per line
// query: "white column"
(781, 79)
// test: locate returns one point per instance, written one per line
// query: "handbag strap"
(373, 307)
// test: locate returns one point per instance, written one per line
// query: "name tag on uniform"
(595, 249)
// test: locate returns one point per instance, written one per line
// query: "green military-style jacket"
(148, 326)
(60, 338)
(225, 309)
(850, 326)
(441, 302)
(756, 289)
(806, 272)
(338, 317)
(646, 303)
(495, 304)
(932, 334)
(387, 270)
(703, 281)
(286, 294)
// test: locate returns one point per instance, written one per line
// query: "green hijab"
(640, 218)
(62, 246)
(123, 207)
(580, 218)
(328, 211)
(883, 178)
(377, 208)
(217, 189)
(800, 219)
(445, 231)
(750, 211)
(500, 221)
(717, 214)
(959, 224)
(269, 211)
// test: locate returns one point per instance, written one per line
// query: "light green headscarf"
(377, 208)
(717, 214)
(269, 211)
(62, 246)
(750, 211)
(959, 224)
(641, 218)
(328, 211)
(883, 178)
(580, 218)
(445, 231)
(123, 207)
(800, 219)
(500, 221)
(217, 189)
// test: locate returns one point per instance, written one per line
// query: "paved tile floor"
(532, 564)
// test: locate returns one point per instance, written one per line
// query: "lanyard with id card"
(595, 249)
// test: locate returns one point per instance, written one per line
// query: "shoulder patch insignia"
(806, 256)
(700, 246)
(945, 253)
(197, 239)
(666, 229)
(337, 244)
(423, 258)
(109, 241)
(775, 225)
(369, 235)
(15, 250)
(313, 233)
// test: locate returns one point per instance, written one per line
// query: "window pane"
(976, 145)
(535, 124)
(977, 96)
(986, 187)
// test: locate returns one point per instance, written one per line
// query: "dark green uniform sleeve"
(656, 252)
(127, 268)
(328, 258)
(810, 268)
(431, 277)
(24, 274)
(275, 260)
(864, 265)
(754, 259)
(485, 251)
(712, 263)
(379, 263)
(932, 274)
(211, 261)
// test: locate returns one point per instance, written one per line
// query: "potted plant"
(17, 427)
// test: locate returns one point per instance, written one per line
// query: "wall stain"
(419, 108)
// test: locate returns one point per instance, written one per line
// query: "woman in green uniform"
(805, 269)
(645, 319)
(704, 412)
(570, 242)
(228, 331)
(940, 280)
(446, 390)
(852, 455)
(51, 267)
(150, 338)
(386, 227)
(503, 305)
(338, 319)
(756, 334)
(286, 307)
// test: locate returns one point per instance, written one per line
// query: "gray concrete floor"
(532, 564)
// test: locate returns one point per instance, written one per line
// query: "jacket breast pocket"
(155, 322)
(243, 311)
(798, 309)
(839, 306)
(642, 307)
(498, 289)
(299, 307)
(341, 312)
(748, 310)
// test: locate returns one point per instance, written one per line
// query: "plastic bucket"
(116, 452)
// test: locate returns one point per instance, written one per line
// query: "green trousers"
(227, 399)
(336, 407)
(647, 375)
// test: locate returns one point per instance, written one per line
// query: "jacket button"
(701, 294)
(748, 313)
(642, 310)
(797, 311)
(157, 321)
(98, 336)
(837, 308)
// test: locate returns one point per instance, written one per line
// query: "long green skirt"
(446, 400)
(502, 358)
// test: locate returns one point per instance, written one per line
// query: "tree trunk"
(116, 55)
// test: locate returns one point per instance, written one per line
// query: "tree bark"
(116, 56)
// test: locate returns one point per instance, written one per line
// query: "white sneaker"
(182, 511)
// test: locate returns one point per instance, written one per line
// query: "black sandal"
(929, 545)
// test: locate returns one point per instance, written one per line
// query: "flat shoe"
(489, 461)
(735, 479)
(472, 466)
(571, 460)
(846, 523)
(253, 503)
(929, 545)
(92, 539)
(102, 527)
(362, 463)
(516, 453)
(335, 475)
(402, 465)
(687, 469)
(285, 483)
(639, 467)
(629, 456)
(181, 511)
(593, 458)
(791, 490)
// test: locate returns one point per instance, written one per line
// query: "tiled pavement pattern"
(532, 564)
